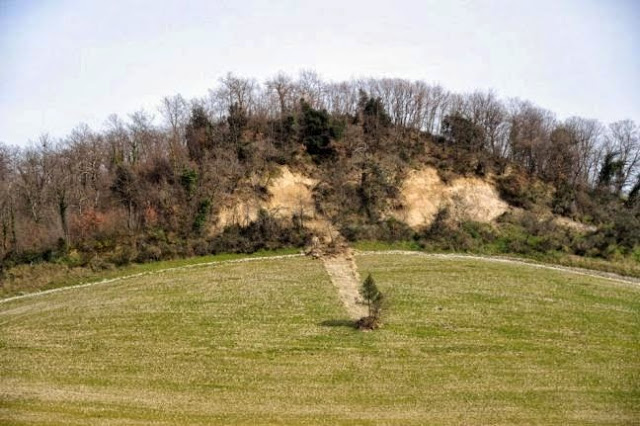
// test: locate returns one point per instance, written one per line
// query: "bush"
(148, 253)
(373, 298)
(202, 213)
(519, 191)
(265, 233)
(123, 255)
(389, 230)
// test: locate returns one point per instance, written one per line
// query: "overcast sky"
(67, 62)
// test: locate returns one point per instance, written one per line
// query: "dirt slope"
(289, 194)
(344, 276)
(424, 194)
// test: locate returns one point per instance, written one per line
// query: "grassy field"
(622, 265)
(25, 279)
(268, 341)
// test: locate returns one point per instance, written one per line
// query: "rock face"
(289, 194)
(424, 194)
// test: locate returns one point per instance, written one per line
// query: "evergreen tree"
(375, 119)
(317, 130)
(372, 297)
(199, 134)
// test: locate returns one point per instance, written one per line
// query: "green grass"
(24, 279)
(463, 342)
(374, 245)
(628, 266)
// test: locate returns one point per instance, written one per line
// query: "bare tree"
(435, 103)
(90, 163)
(61, 186)
(175, 112)
(529, 135)
(8, 157)
(587, 134)
(118, 140)
(623, 139)
(487, 111)
(282, 86)
(142, 136)
(343, 98)
(311, 89)
(34, 174)
(234, 91)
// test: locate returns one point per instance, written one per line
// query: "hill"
(282, 164)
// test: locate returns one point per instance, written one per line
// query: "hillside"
(464, 341)
(290, 162)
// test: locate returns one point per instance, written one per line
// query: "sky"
(63, 63)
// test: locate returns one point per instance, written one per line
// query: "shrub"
(123, 255)
(266, 232)
(373, 299)
(202, 213)
(519, 191)
(148, 253)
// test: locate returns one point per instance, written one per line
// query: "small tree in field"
(373, 299)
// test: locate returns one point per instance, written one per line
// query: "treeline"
(157, 179)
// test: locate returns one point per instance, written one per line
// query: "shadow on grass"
(339, 323)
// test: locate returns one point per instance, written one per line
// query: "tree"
(375, 120)
(7, 199)
(125, 187)
(317, 130)
(175, 113)
(34, 173)
(634, 195)
(461, 131)
(624, 138)
(61, 187)
(610, 172)
(487, 111)
(199, 134)
(237, 121)
(283, 87)
(373, 299)
(529, 135)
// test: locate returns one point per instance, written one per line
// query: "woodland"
(151, 185)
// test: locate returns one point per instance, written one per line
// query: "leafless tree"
(282, 86)
(8, 158)
(34, 174)
(434, 104)
(310, 87)
(587, 134)
(142, 136)
(175, 112)
(487, 111)
(90, 163)
(530, 129)
(118, 140)
(233, 91)
(623, 139)
(61, 186)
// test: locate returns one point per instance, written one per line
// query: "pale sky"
(66, 62)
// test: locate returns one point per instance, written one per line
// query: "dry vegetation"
(256, 166)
